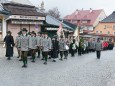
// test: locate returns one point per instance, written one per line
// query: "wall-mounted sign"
(27, 17)
(52, 29)
(27, 22)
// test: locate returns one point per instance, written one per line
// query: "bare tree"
(54, 12)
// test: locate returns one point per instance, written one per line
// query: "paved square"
(76, 71)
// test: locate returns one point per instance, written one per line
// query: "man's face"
(23, 32)
(8, 34)
(46, 35)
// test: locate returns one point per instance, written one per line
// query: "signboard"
(27, 22)
(27, 17)
(52, 29)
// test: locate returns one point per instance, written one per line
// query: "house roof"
(110, 18)
(70, 24)
(21, 9)
(53, 21)
(90, 15)
(27, 2)
(2, 10)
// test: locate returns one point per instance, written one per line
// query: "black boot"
(45, 63)
(20, 60)
(8, 58)
(24, 66)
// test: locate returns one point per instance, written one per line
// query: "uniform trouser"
(61, 54)
(98, 54)
(24, 57)
(45, 56)
(87, 50)
(66, 53)
(79, 51)
(38, 52)
(33, 52)
(72, 52)
(19, 53)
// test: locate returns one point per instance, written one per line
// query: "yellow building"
(106, 28)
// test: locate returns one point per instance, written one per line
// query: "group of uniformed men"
(29, 44)
(40, 43)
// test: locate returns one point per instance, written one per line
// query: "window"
(105, 26)
(96, 31)
(100, 32)
(84, 21)
(108, 32)
(114, 33)
(114, 27)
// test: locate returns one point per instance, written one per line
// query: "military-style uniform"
(46, 47)
(62, 48)
(39, 40)
(33, 46)
(17, 44)
(24, 46)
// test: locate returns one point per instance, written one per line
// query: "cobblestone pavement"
(76, 71)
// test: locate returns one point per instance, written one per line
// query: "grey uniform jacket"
(98, 46)
(46, 44)
(62, 45)
(24, 43)
(17, 41)
(39, 40)
(32, 42)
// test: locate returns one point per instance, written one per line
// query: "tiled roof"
(53, 21)
(70, 24)
(21, 9)
(110, 18)
(90, 15)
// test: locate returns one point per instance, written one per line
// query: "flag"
(76, 33)
(60, 29)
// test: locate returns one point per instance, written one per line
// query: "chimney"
(76, 12)
(91, 10)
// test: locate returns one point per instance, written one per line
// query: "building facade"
(22, 16)
(106, 28)
(86, 19)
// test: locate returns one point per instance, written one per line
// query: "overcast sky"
(68, 6)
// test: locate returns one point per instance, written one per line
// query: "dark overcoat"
(55, 48)
(9, 41)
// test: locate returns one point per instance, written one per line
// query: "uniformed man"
(17, 43)
(24, 45)
(39, 39)
(62, 48)
(33, 45)
(46, 47)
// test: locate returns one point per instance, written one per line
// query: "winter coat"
(46, 45)
(24, 43)
(32, 42)
(62, 45)
(9, 41)
(98, 46)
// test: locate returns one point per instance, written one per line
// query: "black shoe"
(33, 61)
(8, 58)
(24, 66)
(17, 56)
(45, 63)
(42, 59)
(49, 58)
(20, 60)
(61, 59)
(54, 61)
